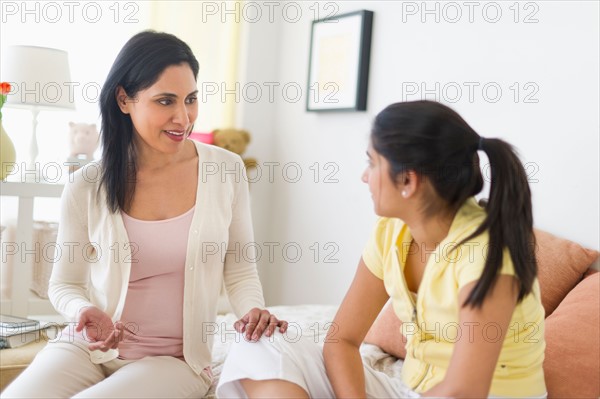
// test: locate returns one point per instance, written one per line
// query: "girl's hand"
(99, 329)
(257, 321)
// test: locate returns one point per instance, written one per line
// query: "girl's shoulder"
(387, 233)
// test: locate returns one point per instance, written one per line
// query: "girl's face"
(163, 114)
(386, 196)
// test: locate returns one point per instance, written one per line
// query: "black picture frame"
(339, 58)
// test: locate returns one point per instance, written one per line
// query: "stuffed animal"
(235, 141)
(83, 141)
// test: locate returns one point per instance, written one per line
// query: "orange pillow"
(573, 343)
(561, 265)
(385, 332)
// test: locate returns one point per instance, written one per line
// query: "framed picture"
(338, 69)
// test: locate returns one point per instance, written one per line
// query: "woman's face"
(384, 193)
(163, 114)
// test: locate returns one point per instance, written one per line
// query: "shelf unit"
(23, 302)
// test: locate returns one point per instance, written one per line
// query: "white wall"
(557, 136)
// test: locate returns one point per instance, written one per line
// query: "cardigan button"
(195, 231)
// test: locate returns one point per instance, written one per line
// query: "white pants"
(64, 370)
(299, 362)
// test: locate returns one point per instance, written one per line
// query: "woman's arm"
(476, 352)
(239, 271)
(68, 286)
(356, 314)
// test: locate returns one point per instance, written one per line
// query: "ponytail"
(509, 222)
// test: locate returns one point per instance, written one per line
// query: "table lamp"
(41, 80)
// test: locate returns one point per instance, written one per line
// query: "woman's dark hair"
(138, 66)
(435, 142)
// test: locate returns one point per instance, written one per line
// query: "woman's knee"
(58, 370)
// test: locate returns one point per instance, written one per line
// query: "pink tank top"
(154, 304)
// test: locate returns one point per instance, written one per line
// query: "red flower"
(5, 88)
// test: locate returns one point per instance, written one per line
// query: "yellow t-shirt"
(431, 324)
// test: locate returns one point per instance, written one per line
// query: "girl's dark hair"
(435, 142)
(138, 66)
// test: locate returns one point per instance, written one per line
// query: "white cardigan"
(93, 265)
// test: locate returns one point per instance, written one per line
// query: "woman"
(143, 278)
(461, 277)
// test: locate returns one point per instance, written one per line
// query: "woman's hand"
(257, 321)
(99, 329)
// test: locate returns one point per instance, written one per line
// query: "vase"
(7, 153)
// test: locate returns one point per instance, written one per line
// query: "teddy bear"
(236, 141)
(83, 141)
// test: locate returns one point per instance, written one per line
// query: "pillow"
(385, 332)
(572, 343)
(561, 265)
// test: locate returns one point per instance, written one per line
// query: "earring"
(404, 193)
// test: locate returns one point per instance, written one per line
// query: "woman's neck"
(148, 158)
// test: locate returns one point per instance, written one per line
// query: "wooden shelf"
(31, 190)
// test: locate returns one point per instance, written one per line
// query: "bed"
(308, 320)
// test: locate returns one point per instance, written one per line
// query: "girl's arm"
(356, 314)
(476, 352)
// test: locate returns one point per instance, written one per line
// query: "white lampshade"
(40, 79)
(39, 76)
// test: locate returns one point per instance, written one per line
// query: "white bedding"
(308, 320)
